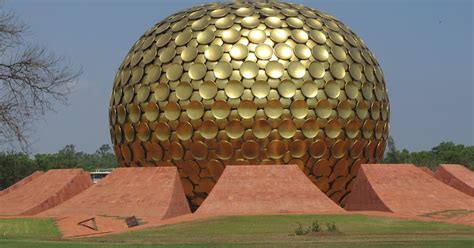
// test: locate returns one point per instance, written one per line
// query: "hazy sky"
(425, 49)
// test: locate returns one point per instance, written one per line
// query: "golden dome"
(250, 83)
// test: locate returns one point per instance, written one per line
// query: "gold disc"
(299, 109)
(172, 111)
(260, 89)
(337, 70)
(332, 89)
(184, 130)
(273, 108)
(184, 90)
(287, 128)
(333, 128)
(318, 148)
(197, 71)
(162, 131)
(195, 110)
(133, 112)
(208, 129)
(352, 128)
(323, 108)
(234, 89)
(310, 128)
(176, 151)
(162, 92)
(317, 70)
(199, 150)
(287, 88)
(250, 149)
(208, 90)
(297, 148)
(344, 109)
(283, 51)
(239, 52)
(274, 69)
(222, 70)
(143, 131)
(234, 129)
(276, 149)
(213, 53)
(220, 109)
(174, 71)
(230, 35)
(263, 51)
(339, 149)
(224, 150)
(247, 109)
(257, 36)
(296, 69)
(309, 89)
(249, 69)
(261, 128)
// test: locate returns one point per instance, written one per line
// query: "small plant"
(300, 230)
(331, 227)
(315, 227)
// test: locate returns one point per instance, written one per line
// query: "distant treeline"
(15, 166)
(444, 153)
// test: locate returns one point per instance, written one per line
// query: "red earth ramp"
(45, 191)
(403, 189)
(149, 193)
(21, 183)
(262, 189)
(456, 176)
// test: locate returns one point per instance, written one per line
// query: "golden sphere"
(250, 83)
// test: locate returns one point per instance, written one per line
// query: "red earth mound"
(149, 193)
(456, 176)
(45, 191)
(403, 189)
(427, 170)
(261, 189)
(21, 183)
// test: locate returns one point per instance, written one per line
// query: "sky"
(425, 49)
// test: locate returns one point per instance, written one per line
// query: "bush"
(300, 230)
(331, 227)
(315, 227)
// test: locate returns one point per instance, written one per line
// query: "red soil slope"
(22, 182)
(456, 176)
(403, 189)
(149, 193)
(260, 189)
(46, 191)
(427, 170)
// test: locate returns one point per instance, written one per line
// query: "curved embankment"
(21, 183)
(262, 189)
(152, 193)
(456, 176)
(44, 192)
(403, 189)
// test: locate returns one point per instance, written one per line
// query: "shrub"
(300, 230)
(331, 227)
(315, 227)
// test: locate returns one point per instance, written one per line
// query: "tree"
(32, 81)
(392, 154)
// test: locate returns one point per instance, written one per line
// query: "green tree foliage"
(15, 166)
(444, 153)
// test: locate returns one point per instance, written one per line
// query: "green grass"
(254, 231)
(28, 228)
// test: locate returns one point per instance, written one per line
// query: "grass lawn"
(253, 231)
